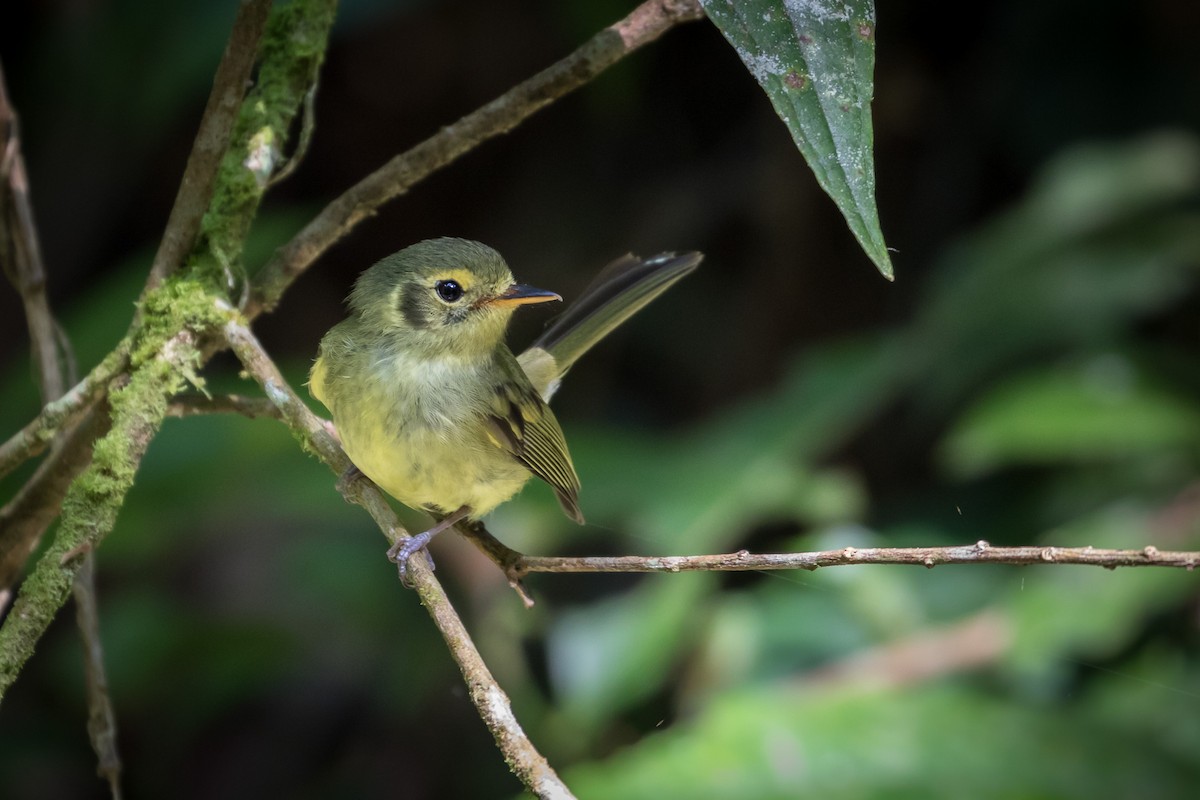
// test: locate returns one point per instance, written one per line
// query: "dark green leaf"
(816, 62)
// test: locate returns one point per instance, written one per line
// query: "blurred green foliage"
(1040, 386)
(1091, 415)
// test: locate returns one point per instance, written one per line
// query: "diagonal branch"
(645, 24)
(93, 500)
(529, 765)
(63, 412)
(212, 140)
(299, 32)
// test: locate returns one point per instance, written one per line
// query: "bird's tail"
(618, 292)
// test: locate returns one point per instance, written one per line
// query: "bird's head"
(445, 296)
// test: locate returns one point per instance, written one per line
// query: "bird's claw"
(405, 549)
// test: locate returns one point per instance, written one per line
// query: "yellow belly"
(425, 447)
(425, 471)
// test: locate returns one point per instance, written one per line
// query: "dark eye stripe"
(413, 308)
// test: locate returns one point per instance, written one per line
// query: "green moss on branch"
(164, 347)
(90, 507)
(293, 48)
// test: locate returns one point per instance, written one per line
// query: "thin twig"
(979, 553)
(102, 720)
(308, 124)
(501, 555)
(645, 24)
(21, 254)
(56, 370)
(212, 139)
(493, 704)
(191, 405)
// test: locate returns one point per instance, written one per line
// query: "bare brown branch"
(192, 405)
(21, 255)
(102, 720)
(493, 705)
(25, 517)
(56, 369)
(979, 553)
(645, 24)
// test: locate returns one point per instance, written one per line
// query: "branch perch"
(102, 719)
(493, 704)
(744, 561)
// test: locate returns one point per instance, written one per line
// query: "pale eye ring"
(449, 291)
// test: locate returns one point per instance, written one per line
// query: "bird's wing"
(521, 423)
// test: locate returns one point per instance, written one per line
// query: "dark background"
(259, 644)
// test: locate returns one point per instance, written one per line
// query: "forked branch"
(492, 703)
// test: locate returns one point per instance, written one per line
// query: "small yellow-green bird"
(428, 400)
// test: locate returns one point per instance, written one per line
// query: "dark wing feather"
(617, 293)
(525, 426)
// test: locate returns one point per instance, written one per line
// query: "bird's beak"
(519, 294)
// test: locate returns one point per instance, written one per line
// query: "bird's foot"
(404, 549)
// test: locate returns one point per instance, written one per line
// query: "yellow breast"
(416, 428)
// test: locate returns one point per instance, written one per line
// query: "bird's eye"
(450, 291)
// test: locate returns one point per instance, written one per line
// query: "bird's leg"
(349, 476)
(402, 550)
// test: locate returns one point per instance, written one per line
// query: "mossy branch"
(164, 349)
(291, 53)
(212, 140)
(63, 412)
(91, 504)
(293, 48)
